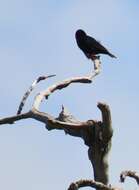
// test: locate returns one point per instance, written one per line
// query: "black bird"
(90, 46)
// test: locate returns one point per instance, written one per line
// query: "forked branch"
(96, 134)
(58, 86)
(85, 79)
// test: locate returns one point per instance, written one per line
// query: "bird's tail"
(111, 55)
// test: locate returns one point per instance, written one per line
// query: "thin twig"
(27, 93)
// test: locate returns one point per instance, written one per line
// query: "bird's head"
(80, 34)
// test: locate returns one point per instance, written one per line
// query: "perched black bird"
(90, 46)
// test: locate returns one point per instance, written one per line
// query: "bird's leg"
(97, 65)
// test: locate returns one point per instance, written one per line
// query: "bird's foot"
(94, 57)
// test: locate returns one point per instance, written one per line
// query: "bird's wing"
(95, 45)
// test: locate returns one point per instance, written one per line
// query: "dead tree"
(97, 135)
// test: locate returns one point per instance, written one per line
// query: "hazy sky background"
(36, 38)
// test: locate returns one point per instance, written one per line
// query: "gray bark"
(97, 136)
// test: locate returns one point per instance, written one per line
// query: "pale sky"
(36, 38)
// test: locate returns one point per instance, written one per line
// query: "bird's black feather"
(89, 45)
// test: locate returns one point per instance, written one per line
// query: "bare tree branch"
(90, 183)
(99, 150)
(129, 173)
(12, 119)
(50, 121)
(97, 65)
(90, 131)
(27, 93)
(96, 134)
(85, 79)
(55, 123)
(58, 86)
(106, 120)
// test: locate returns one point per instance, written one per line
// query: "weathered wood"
(96, 134)
(131, 174)
(90, 183)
